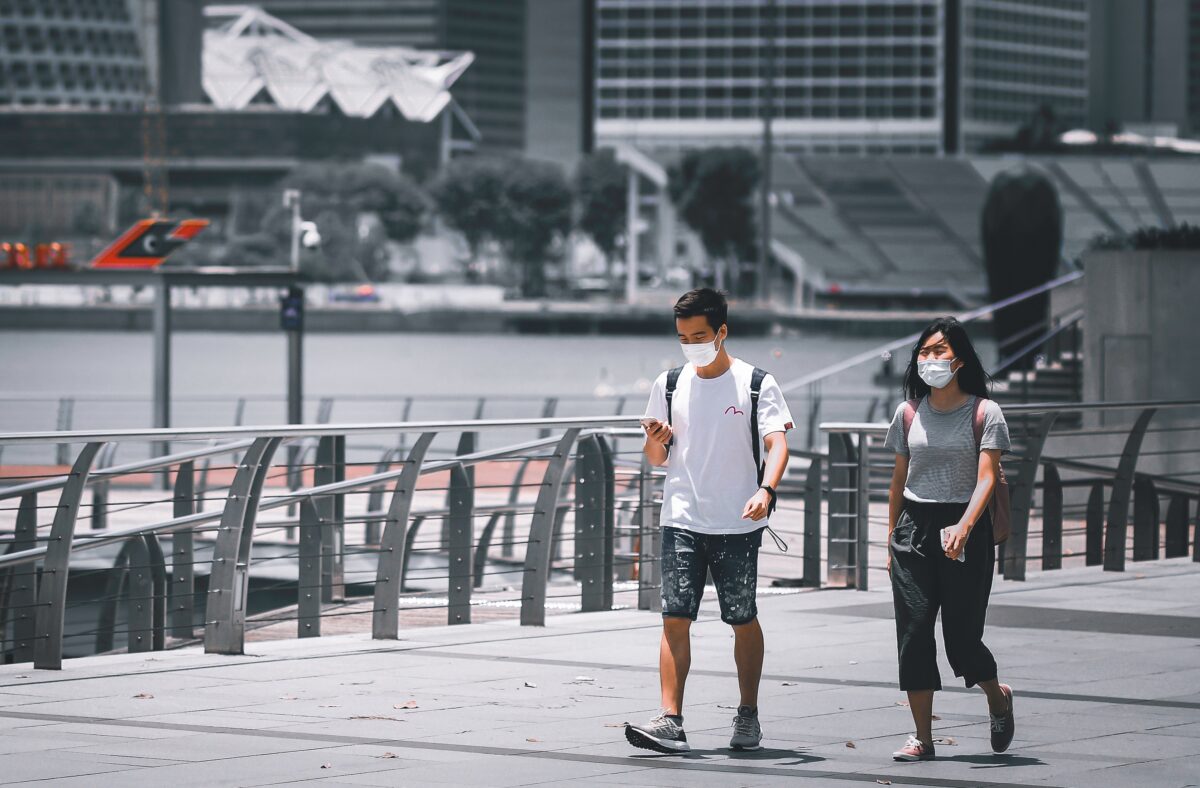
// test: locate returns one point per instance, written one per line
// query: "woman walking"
(948, 438)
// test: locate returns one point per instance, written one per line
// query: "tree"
(467, 196)
(338, 197)
(600, 188)
(535, 214)
(1022, 230)
(714, 190)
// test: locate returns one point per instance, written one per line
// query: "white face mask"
(701, 354)
(936, 372)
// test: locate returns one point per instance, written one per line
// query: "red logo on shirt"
(732, 409)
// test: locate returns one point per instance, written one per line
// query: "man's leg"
(735, 572)
(748, 654)
(674, 661)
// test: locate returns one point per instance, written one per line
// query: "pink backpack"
(999, 507)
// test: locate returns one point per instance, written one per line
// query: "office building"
(850, 76)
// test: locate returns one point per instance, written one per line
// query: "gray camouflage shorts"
(688, 557)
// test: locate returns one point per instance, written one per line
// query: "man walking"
(705, 423)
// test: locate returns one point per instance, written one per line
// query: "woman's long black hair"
(972, 378)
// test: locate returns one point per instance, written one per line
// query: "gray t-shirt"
(942, 459)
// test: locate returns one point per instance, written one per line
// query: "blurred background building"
(888, 115)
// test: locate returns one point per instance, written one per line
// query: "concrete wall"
(1142, 342)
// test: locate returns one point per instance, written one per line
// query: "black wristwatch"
(771, 490)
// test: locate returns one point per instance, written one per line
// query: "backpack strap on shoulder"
(756, 382)
(910, 413)
(977, 422)
(672, 382)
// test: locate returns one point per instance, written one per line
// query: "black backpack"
(756, 381)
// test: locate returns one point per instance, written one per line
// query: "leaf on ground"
(410, 704)
(388, 755)
(22, 677)
(936, 717)
(531, 685)
(854, 662)
(375, 717)
(532, 739)
(288, 697)
(852, 745)
(884, 782)
(143, 696)
(582, 679)
(790, 683)
(947, 740)
(327, 766)
(901, 703)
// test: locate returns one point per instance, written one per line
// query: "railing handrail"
(873, 427)
(1071, 319)
(140, 466)
(311, 430)
(964, 317)
(285, 499)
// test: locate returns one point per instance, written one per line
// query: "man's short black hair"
(704, 301)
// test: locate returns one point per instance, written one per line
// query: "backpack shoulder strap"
(756, 382)
(977, 421)
(910, 413)
(672, 382)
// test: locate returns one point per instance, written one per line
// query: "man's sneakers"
(1003, 725)
(914, 750)
(664, 733)
(747, 733)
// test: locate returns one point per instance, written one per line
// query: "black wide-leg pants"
(925, 581)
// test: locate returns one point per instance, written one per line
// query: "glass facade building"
(850, 76)
(70, 54)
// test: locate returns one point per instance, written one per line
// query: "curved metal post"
(467, 443)
(483, 545)
(1145, 519)
(331, 468)
(308, 587)
(538, 551)
(589, 524)
(389, 573)
(812, 525)
(409, 539)
(183, 556)
(1118, 507)
(1176, 542)
(22, 582)
(52, 591)
(1095, 525)
(1052, 517)
(375, 496)
(99, 519)
(158, 590)
(114, 586)
(461, 577)
(229, 582)
(1017, 546)
(610, 516)
(139, 597)
(510, 519)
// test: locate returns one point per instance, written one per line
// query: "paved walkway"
(1106, 668)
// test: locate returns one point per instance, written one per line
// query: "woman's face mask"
(701, 354)
(936, 372)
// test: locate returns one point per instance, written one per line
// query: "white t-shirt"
(710, 470)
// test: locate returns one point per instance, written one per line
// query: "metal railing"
(611, 501)
(855, 482)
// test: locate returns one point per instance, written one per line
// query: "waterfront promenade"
(1106, 667)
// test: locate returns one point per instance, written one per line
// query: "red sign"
(148, 242)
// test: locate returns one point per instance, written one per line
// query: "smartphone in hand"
(962, 554)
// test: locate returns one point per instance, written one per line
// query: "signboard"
(148, 242)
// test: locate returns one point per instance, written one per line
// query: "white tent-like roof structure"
(249, 50)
